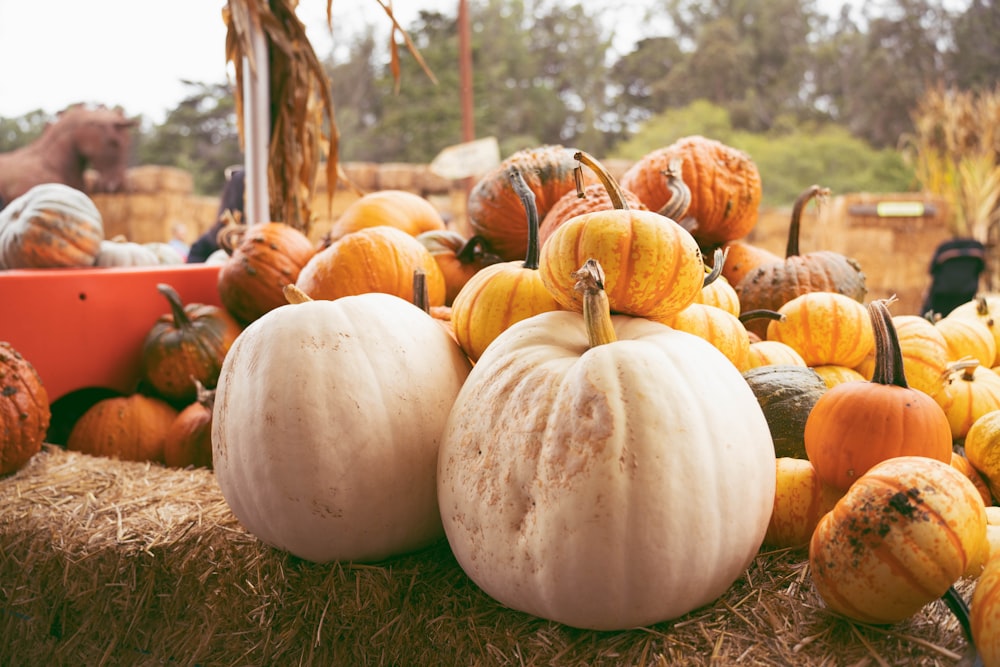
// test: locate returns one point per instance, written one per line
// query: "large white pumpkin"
(605, 487)
(327, 421)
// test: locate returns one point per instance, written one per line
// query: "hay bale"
(111, 562)
(153, 179)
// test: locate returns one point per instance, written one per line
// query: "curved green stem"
(527, 196)
(181, 319)
(888, 355)
(792, 248)
(615, 191)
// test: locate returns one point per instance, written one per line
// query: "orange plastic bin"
(83, 328)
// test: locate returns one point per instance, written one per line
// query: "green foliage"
(199, 136)
(790, 158)
(18, 132)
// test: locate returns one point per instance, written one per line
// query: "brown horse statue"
(81, 138)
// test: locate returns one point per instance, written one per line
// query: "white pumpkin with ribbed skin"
(327, 421)
(606, 487)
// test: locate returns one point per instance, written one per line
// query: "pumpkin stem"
(293, 294)
(420, 299)
(761, 314)
(792, 249)
(476, 249)
(527, 197)
(888, 355)
(615, 191)
(953, 599)
(680, 193)
(718, 261)
(967, 365)
(596, 308)
(181, 319)
(206, 397)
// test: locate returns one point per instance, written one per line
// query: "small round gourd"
(786, 394)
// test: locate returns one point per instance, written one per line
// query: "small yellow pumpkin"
(825, 328)
(654, 267)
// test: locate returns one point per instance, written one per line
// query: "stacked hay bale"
(155, 198)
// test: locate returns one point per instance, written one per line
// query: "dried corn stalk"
(301, 99)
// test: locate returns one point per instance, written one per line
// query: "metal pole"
(256, 128)
(465, 70)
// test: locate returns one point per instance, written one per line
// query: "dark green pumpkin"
(786, 395)
(185, 345)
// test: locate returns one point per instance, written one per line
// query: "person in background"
(178, 236)
(955, 269)
(231, 205)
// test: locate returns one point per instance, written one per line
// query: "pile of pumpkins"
(53, 225)
(606, 400)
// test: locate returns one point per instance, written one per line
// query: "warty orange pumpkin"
(25, 412)
(724, 185)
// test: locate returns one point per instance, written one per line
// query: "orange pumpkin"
(900, 537)
(25, 412)
(742, 258)
(724, 183)
(459, 258)
(653, 267)
(403, 210)
(855, 425)
(772, 285)
(131, 428)
(375, 259)
(494, 209)
(188, 441)
(268, 256)
(963, 465)
(982, 449)
(502, 294)
(593, 197)
(187, 344)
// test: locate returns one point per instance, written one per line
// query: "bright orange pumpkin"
(375, 259)
(855, 425)
(406, 211)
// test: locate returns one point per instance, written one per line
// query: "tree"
(975, 60)
(18, 132)
(199, 136)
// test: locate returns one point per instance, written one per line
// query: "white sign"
(469, 159)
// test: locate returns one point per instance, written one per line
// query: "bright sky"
(135, 53)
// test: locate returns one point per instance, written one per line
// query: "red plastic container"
(83, 328)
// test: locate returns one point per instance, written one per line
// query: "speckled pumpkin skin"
(24, 410)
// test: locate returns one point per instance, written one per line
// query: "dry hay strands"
(104, 562)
